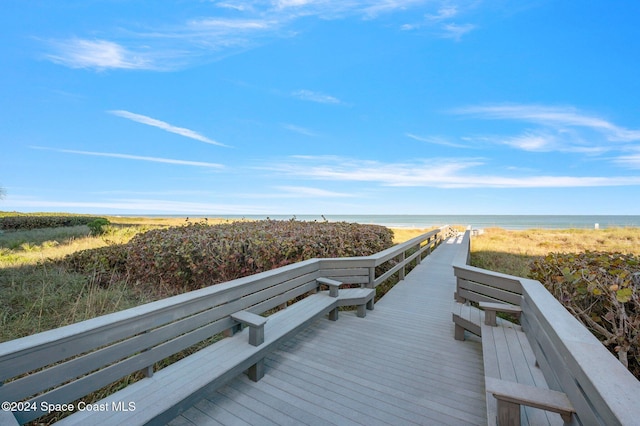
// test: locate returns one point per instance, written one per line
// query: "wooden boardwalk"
(399, 365)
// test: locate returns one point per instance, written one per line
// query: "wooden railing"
(62, 365)
(573, 361)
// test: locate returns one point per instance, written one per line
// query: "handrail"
(572, 359)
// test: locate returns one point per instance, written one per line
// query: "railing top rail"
(394, 251)
(95, 325)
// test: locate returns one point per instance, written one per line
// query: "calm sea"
(476, 221)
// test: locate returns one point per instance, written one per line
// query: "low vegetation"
(40, 221)
(184, 258)
(50, 277)
(595, 274)
(602, 290)
(57, 276)
(512, 252)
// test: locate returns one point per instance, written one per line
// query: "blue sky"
(320, 107)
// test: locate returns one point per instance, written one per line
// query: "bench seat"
(516, 390)
(362, 298)
(466, 318)
(161, 397)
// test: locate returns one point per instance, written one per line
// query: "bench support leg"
(508, 413)
(370, 305)
(458, 333)
(490, 317)
(233, 330)
(333, 315)
(256, 371)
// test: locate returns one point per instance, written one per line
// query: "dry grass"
(511, 251)
(400, 235)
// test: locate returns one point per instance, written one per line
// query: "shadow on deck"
(399, 365)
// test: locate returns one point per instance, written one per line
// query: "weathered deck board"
(399, 365)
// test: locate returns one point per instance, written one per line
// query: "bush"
(198, 255)
(36, 221)
(602, 290)
(97, 226)
(102, 264)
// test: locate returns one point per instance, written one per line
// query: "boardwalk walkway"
(399, 365)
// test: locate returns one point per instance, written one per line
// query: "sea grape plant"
(196, 255)
(602, 290)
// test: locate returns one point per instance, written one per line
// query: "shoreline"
(399, 221)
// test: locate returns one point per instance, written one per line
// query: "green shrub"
(102, 264)
(602, 290)
(198, 255)
(97, 226)
(38, 221)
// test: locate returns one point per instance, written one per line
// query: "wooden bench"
(362, 298)
(466, 318)
(516, 390)
(108, 348)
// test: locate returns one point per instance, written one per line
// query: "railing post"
(148, 370)
(372, 277)
(401, 272)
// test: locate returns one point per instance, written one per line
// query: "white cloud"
(456, 31)
(555, 117)
(154, 206)
(282, 4)
(205, 38)
(436, 140)
(374, 8)
(631, 161)
(438, 173)
(308, 95)
(444, 13)
(98, 54)
(225, 25)
(137, 157)
(240, 6)
(143, 119)
(301, 130)
(303, 191)
(530, 141)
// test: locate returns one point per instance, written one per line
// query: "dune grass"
(511, 252)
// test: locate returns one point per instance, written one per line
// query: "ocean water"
(475, 221)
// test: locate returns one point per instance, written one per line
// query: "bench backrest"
(473, 284)
(571, 358)
(75, 360)
(68, 363)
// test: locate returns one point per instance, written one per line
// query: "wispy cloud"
(98, 54)
(444, 13)
(436, 140)
(301, 130)
(140, 205)
(304, 191)
(554, 117)
(631, 161)
(441, 22)
(180, 44)
(456, 31)
(438, 173)
(282, 4)
(135, 157)
(143, 119)
(308, 95)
